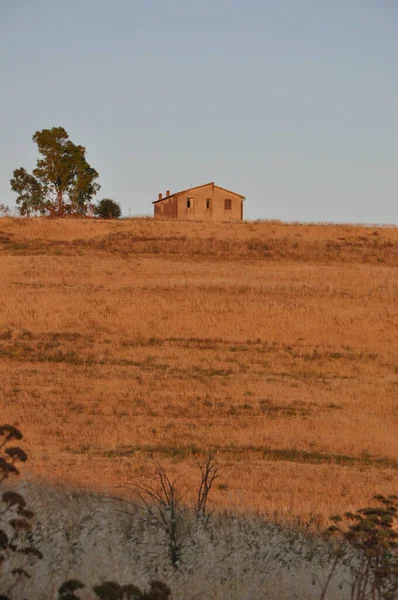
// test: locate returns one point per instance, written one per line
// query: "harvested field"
(274, 346)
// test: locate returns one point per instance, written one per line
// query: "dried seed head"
(17, 454)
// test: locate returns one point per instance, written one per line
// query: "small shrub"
(107, 209)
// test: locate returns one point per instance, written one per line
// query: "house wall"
(198, 211)
(166, 209)
(220, 214)
(176, 206)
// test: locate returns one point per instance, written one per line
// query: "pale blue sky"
(293, 103)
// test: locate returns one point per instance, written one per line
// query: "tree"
(62, 184)
(4, 210)
(107, 209)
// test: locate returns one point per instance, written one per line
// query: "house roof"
(196, 188)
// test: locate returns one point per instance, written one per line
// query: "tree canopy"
(62, 184)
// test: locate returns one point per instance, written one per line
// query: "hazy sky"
(293, 103)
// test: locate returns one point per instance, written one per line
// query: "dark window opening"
(208, 203)
(190, 202)
(228, 204)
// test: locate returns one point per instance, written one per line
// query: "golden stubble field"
(273, 346)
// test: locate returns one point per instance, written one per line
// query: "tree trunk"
(60, 203)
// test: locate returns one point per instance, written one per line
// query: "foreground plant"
(16, 554)
(367, 543)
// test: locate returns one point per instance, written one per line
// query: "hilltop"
(272, 345)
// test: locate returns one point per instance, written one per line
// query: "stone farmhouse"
(207, 202)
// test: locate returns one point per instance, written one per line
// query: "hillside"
(274, 346)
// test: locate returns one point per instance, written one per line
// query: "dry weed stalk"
(162, 502)
(209, 473)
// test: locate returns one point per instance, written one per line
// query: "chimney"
(160, 196)
(167, 193)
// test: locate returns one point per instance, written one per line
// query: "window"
(190, 202)
(228, 204)
(208, 203)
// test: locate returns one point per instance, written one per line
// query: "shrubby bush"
(107, 209)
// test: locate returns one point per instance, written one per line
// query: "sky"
(292, 103)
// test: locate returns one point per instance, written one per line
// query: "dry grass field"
(274, 346)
